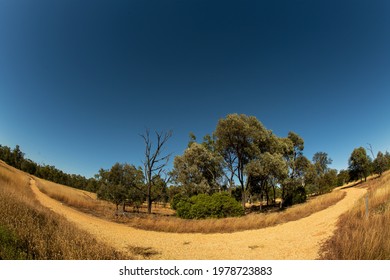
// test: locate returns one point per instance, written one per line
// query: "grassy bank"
(362, 237)
(30, 231)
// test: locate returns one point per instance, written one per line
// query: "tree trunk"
(261, 201)
(281, 199)
(243, 198)
(149, 199)
(149, 205)
(274, 200)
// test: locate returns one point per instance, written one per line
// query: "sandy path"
(293, 240)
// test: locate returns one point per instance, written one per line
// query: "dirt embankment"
(297, 240)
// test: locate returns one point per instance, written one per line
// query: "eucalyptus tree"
(326, 177)
(298, 164)
(198, 170)
(321, 161)
(237, 140)
(121, 184)
(380, 163)
(266, 173)
(359, 164)
(342, 177)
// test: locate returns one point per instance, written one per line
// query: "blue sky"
(80, 80)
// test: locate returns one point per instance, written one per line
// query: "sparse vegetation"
(364, 238)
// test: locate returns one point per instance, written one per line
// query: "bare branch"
(154, 161)
(371, 150)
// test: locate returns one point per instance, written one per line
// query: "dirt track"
(296, 240)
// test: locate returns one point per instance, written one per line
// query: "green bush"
(295, 196)
(202, 206)
(176, 199)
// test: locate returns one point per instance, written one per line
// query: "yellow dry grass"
(362, 237)
(31, 231)
(80, 199)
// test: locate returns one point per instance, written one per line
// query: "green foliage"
(327, 181)
(121, 184)
(321, 162)
(359, 164)
(10, 246)
(240, 139)
(202, 206)
(236, 193)
(380, 163)
(197, 170)
(176, 199)
(295, 196)
(342, 177)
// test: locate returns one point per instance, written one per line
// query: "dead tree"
(154, 162)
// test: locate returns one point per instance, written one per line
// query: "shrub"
(176, 199)
(202, 206)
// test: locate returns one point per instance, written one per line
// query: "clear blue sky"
(80, 80)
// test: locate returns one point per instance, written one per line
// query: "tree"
(265, 174)
(6, 154)
(342, 177)
(311, 180)
(327, 181)
(154, 162)
(387, 156)
(359, 164)
(293, 190)
(380, 163)
(321, 162)
(121, 184)
(238, 138)
(326, 177)
(198, 170)
(17, 157)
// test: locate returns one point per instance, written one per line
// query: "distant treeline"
(15, 157)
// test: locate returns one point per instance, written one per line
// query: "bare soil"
(297, 240)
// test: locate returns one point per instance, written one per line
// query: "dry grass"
(31, 231)
(82, 200)
(359, 237)
(88, 201)
(163, 219)
(251, 221)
